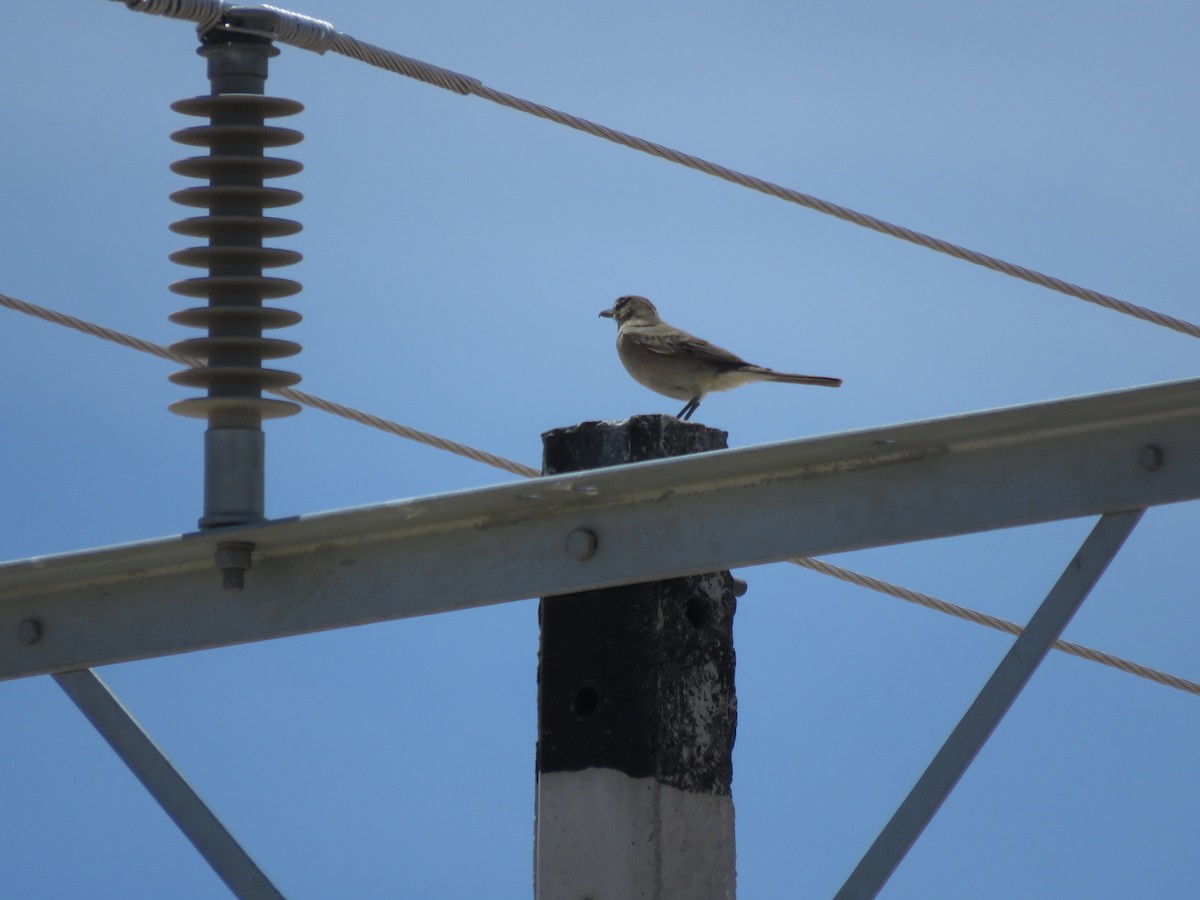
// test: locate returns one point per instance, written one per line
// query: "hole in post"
(586, 701)
(698, 612)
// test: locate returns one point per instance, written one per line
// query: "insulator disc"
(263, 135)
(209, 257)
(235, 226)
(205, 195)
(203, 407)
(214, 105)
(260, 316)
(264, 348)
(234, 375)
(215, 166)
(254, 285)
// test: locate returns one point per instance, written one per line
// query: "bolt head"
(234, 555)
(581, 544)
(1150, 458)
(29, 631)
(233, 558)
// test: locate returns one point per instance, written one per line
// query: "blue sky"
(456, 256)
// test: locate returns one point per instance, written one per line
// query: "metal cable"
(205, 13)
(840, 212)
(962, 612)
(329, 406)
(508, 465)
(404, 431)
(316, 34)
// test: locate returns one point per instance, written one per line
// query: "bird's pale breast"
(659, 372)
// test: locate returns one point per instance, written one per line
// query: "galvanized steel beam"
(1083, 456)
(994, 700)
(177, 798)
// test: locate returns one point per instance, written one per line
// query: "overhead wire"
(320, 36)
(516, 468)
(301, 397)
(979, 618)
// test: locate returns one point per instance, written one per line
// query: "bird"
(680, 365)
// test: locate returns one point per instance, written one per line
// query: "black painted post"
(636, 711)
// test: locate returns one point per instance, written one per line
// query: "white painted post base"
(613, 837)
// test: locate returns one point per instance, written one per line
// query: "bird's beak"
(606, 313)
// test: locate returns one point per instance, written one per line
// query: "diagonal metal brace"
(997, 696)
(167, 786)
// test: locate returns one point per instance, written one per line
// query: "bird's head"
(632, 309)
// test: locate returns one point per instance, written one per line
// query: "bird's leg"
(686, 412)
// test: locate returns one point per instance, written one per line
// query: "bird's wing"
(672, 342)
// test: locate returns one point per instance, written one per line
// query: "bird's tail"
(772, 375)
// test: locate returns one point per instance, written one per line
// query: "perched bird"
(677, 364)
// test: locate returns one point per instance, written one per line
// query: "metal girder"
(177, 798)
(1083, 456)
(997, 696)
